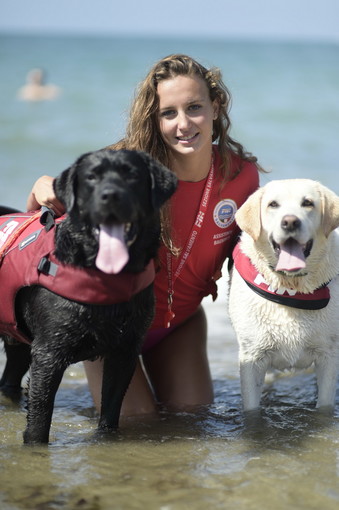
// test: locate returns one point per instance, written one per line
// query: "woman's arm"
(43, 194)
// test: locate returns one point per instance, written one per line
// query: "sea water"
(286, 111)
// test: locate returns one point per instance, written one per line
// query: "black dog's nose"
(290, 222)
(109, 194)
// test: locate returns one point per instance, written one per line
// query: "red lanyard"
(196, 229)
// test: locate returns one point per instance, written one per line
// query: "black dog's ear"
(63, 187)
(164, 182)
(65, 184)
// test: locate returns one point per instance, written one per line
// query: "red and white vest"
(27, 258)
(283, 296)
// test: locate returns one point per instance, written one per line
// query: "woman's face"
(186, 114)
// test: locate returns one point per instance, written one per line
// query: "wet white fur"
(276, 336)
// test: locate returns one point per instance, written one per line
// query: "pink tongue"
(291, 257)
(113, 254)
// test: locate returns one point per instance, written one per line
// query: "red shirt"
(214, 243)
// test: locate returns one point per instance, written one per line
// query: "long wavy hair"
(143, 133)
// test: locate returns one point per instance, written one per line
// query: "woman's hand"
(43, 194)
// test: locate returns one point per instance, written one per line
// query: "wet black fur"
(103, 185)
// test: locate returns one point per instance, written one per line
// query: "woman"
(179, 110)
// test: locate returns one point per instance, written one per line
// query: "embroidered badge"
(224, 212)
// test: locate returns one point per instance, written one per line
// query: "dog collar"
(283, 296)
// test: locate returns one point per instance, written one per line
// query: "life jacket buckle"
(47, 267)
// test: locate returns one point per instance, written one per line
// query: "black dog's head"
(117, 193)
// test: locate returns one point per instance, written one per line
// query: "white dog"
(284, 291)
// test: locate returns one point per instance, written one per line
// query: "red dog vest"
(283, 296)
(27, 258)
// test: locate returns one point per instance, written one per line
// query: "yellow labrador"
(284, 291)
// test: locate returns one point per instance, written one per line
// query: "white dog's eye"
(307, 203)
(274, 204)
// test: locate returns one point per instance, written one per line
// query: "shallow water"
(212, 459)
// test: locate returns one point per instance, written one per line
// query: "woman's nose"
(183, 120)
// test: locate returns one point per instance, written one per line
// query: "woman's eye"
(195, 107)
(167, 113)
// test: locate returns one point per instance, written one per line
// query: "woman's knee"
(139, 397)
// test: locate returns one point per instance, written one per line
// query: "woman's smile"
(187, 139)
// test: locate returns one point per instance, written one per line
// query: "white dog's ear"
(248, 217)
(330, 210)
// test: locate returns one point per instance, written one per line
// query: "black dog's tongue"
(113, 253)
(291, 257)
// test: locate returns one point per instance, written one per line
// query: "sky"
(316, 20)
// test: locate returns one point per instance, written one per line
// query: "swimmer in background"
(36, 89)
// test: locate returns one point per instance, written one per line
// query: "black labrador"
(112, 230)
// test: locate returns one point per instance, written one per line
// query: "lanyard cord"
(196, 229)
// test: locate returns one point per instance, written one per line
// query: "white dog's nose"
(290, 223)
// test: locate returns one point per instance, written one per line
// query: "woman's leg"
(94, 371)
(139, 398)
(178, 366)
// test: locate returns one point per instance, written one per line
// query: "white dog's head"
(290, 214)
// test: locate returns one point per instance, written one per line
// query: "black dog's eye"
(307, 203)
(273, 205)
(91, 177)
(133, 172)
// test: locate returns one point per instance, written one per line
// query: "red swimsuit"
(212, 247)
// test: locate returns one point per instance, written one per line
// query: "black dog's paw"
(107, 434)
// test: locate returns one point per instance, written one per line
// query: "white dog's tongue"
(112, 254)
(291, 257)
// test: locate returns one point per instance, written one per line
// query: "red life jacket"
(27, 258)
(283, 296)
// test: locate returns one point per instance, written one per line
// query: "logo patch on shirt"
(224, 212)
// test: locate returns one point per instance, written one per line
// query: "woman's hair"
(143, 131)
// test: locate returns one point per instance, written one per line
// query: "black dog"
(112, 225)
